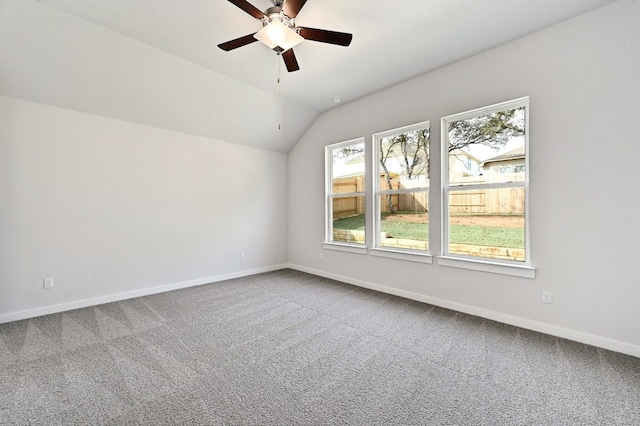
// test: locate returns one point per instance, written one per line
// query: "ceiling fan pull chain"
(279, 107)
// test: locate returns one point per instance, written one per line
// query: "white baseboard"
(45, 310)
(565, 333)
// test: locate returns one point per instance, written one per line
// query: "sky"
(482, 152)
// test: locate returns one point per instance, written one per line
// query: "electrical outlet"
(242, 256)
(48, 283)
(321, 257)
(546, 297)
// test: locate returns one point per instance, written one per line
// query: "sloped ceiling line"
(157, 62)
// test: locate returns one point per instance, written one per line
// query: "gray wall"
(112, 209)
(582, 79)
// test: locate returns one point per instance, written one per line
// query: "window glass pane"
(487, 149)
(348, 219)
(488, 223)
(345, 213)
(348, 164)
(404, 221)
(404, 156)
(343, 185)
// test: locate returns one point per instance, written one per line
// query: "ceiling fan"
(280, 33)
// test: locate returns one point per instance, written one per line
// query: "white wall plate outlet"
(48, 283)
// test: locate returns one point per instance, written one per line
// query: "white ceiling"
(156, 62)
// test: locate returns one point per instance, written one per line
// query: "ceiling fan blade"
(238, 42)
(291, 8)
(290, 60)
(326, 36)
(247, 7)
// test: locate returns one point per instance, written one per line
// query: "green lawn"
(487, 236)
(461, 234)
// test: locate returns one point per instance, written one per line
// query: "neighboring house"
(510, 162)
(463, 164)
(348, 167)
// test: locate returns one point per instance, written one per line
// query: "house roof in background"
(156, 62)
(515, 154)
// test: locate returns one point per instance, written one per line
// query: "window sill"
(411, 256)
(349, 248)
(523, 271)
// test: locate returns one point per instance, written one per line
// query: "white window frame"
(423, 256)
(330, 196)
(499, 266)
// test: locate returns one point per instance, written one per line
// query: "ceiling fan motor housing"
(275, 13)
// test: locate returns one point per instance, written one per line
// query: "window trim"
(488, 265)
(329, 243)
(499, 266)
(346, 247)
(423, 256)
(402, 254)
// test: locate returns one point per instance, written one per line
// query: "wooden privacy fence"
(505, 201)
(417, 202)
(352, 206)
(348, 206)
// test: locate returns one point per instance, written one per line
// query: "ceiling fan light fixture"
(278, 36)
(280, 33)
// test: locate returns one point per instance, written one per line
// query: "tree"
(412, 150)
(348, 151)
(493, 130)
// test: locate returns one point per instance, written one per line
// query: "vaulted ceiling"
(156, 62)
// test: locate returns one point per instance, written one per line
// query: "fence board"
(489, 201)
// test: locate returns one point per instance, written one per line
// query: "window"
(345, 195)
(485, 213)
(401, 189)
